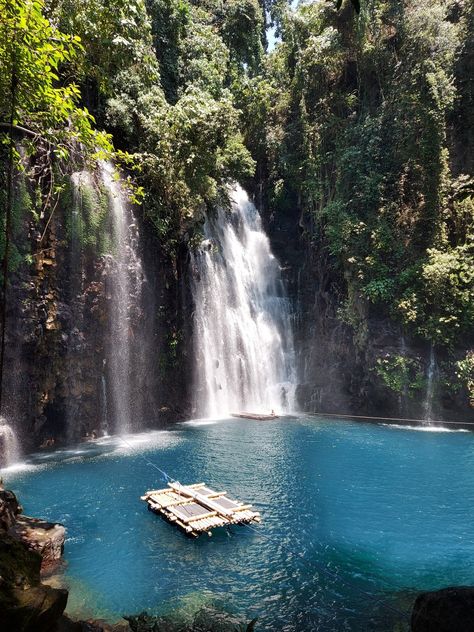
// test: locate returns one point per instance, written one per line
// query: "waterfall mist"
(125, 279)
(430, 387)
(9, 444)
(82, 185)
(243, 335)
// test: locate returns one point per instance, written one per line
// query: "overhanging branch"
(19, 128)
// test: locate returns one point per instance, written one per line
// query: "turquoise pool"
(356, 519)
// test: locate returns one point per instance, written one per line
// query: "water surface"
(356, 517)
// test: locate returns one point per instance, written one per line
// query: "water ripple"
(348, 509)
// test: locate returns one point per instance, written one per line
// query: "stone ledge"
(43, 537)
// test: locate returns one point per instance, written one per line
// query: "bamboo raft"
(256, 416)
(198, 509)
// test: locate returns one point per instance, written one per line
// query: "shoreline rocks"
(27, 547)
(10, 508)
(65, 624)
(46, 538)
(446, 610)
(26, 605)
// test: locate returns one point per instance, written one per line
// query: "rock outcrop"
(65, 624)
(27, 605)
(10, 508)
(206, 619)
(447, 610)
(43, 537)
(341, 353)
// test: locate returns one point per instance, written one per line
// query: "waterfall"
(428, 404)
(9, 444)
(124, 288)
(243, 337)
(82, 186)
(403, 396)
(104, 426)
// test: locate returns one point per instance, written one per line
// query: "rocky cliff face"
(58, 331)
(366, 365)
(55, 360)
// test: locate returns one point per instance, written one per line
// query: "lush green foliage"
(360, 124)
(465, 373)
(31, 53)
(401, 374)
(357, 120)
(87, 206)
(156, 74)
(184, 126)
(115, 37)
(23, 209)
(41, 107)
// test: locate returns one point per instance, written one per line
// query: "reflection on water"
(349, 508)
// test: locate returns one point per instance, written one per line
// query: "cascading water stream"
(82, 186)
(243, 337)
(403, 396)
(428, 404)
(9, 444)
(124, 288)
(105, 417)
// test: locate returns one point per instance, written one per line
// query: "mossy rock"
(19, 567)
(26, 605)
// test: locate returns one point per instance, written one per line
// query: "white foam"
(22, 467)
(209, 421)
(105, 447)
(244, 352)
(144, 441)
(425, 428)
(9, 444)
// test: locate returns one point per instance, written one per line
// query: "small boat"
(257, 416)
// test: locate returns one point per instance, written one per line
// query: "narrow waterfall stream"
(125, 280)
(430, 383)
(9, 444)
(82, 187)
(104, 417)
(243, 336)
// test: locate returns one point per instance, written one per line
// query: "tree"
(35, 105)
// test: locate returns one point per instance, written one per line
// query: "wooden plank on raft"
(197, 509)
(203, 500)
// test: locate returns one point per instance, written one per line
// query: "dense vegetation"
(368, 128)
(359, 124)
(364, 136)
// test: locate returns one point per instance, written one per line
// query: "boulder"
(26, 605)
(206, 619)
(43, 537)
(36, 609)
(9, 509)
(66, 624)
(447, 610)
